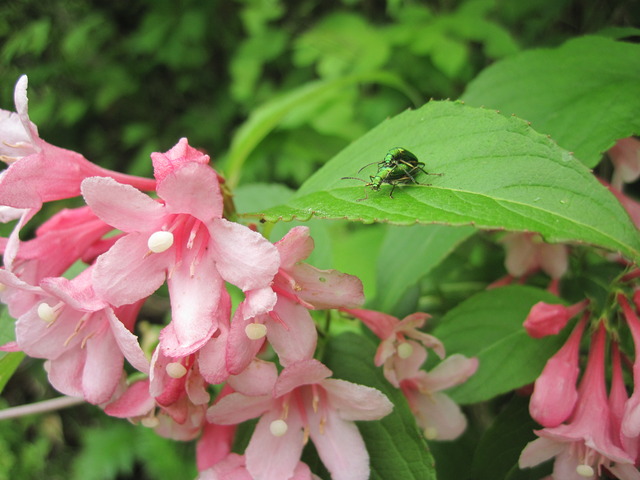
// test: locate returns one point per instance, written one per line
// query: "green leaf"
(398, 265)
(585, 93)
(489, 326)
(395, 445)
(498, 174)
(9, 362)
(500, 446)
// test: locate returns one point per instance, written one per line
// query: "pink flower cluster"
(588, 431)
(130, 244)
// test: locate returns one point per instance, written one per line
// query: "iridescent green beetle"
(399, 166)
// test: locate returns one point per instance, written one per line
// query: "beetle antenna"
(372, 163)
(353, 178)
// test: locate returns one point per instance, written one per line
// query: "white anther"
(405, 350)
(430, 433)
(585, 471)
(255, 331)
(47, 313)
(176, 370)
(150, 422)
(278, 428)
(160, 241)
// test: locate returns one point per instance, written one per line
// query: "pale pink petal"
(180, 154)
(40, 339)
(127, 273)
(102, 369)
(211, 357)
(439, 416)
(192, 189)
(236, 408)
(385, 350)
(306, 372)
(538, 451)
(274, 458)
(554, 259)
(522, 255)
(122, 206)
(452, 371)
(128, 343)
(624, 471)
(297, 341)
(257, 379)
(240, 348)
(410, 367)
(244, 258)
(295, 246)
(195, 306)
(65, 372)
(258, 302)
(340, 446)
(134, 402)
(326, 289)
(356, 402)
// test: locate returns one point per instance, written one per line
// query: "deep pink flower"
(618, 398)
(631, 419)
(548, 319)
(584, 445)
(233, 467)
(439, 417)
(183, 239)
(83, 339)
(303, 402)
(555, 393)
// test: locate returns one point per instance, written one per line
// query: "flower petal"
(357, 402)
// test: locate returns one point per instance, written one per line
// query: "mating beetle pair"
(399, 166)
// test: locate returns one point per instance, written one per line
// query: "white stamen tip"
(405, 350)
(47, 313)
(3, 287)
(585, 471)
(150, 422)
(430, 433)
(255, 331)
(278, 428)
(176, 370)
(160, 241)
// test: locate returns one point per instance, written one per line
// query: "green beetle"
(399, 166)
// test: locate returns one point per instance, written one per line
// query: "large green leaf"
(585, 93)
(499, 173)
(395, 445)
(489, 326)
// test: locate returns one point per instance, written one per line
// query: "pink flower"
(585, 445)
(395, 333)
(548, 319)
(625, 156)
(438, 415)
(83, 339)
(617, 401)
(554, 393)
(183, 239)
(303, 402)
(526, 253)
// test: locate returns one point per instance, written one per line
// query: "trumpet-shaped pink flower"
(584, 445)
(631, 419)
(526, 253)
(436, 413)
(555, 393)
(303, 402)
(548, 319)
(183, 239)
(395, 333)
(83, 339)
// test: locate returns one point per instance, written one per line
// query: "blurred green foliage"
(117, 80)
